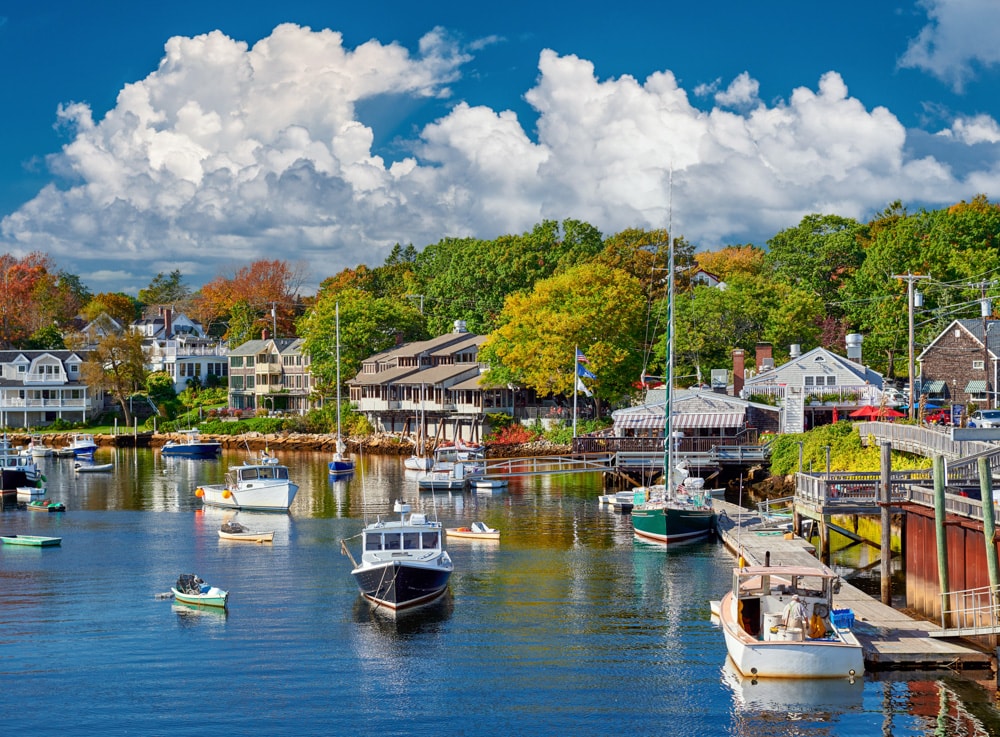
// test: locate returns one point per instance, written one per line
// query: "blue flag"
(583, 371)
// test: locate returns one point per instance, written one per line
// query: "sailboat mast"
(668, 429)
(336, 312)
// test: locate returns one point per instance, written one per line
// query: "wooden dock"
(890, 639)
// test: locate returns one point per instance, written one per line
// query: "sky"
(142, 138)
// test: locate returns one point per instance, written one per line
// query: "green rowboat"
(33, 540)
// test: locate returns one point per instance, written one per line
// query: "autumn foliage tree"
(34, 297)
(117, 366)
(262, 286)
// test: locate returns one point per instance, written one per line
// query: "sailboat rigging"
(340, 465)
(679, 509)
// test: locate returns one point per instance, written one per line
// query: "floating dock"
(891, 640)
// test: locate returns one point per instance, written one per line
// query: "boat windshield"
(429, 540)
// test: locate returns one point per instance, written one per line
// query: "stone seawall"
(379, 444)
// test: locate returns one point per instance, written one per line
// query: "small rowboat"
(477, 531)
(33, 540)
(45, 505)
(27, 493)
(236, 531)
(192, 590)
(92, 467)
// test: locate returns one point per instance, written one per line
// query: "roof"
(810, 362)
(691, 409)
(470, 342)
(383, 377)
(253, 347)
(438, 374)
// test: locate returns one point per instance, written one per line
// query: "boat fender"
(226, 494)
(199, 492)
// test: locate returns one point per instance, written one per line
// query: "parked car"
(985, 418)
(894, 397)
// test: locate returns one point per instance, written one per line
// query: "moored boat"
(81, 467)
(34, 541)
(82, 444)
(339, 465)
(404, 564)
(482, 483)
(27, 493)
(236, 531)
(45, 505)
(192, 590)
(475, 531)
(263, 485)
(192, 446)
(778, 623)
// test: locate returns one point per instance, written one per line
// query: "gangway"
(502, 468)
(970, 613)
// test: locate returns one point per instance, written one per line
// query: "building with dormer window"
(39, 387)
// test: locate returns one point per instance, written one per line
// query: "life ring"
(821, 610)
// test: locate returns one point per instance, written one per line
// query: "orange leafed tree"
(265, 285)
(20, 282)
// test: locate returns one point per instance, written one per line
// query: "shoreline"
(379, 444)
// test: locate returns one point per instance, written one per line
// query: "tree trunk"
(128, 417)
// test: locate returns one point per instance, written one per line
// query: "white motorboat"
(37, 448)
(404, 564)
(191, 445)
(450, 479)
(777, 623)
(475, 531)
(482, 483)
(262, 485)
(13, 461)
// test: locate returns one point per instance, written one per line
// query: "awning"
(933, 387)
(696, 420)
(977, 386)
(640, 421)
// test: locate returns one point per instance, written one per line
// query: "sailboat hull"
(672, 524)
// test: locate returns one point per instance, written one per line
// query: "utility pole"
(985, 310)
(274, 321)
(910, 296)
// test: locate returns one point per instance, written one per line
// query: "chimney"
(168, 325)
(765, 359)
(265, 334)
(853, 341)
(738, 371)
(794, 350)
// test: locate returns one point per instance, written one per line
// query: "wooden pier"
(891, 640)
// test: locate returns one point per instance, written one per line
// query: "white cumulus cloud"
(228, 153)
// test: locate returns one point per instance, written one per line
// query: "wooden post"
(885, 501)
(940, 531)
(989, 521)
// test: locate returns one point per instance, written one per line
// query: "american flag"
(580, 358)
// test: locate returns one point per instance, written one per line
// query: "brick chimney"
(739, 371)
(168, 325)
(765, 359)
(265, 334)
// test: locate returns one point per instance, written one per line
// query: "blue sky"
(202, 136)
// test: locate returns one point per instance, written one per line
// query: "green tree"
(165, 289)
(820, 255)
(368, 325)
(117, 366)
(591, 306)
(45, 338)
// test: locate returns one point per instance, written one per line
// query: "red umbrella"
(870, 411)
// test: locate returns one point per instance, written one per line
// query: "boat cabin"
(764, 592)
(408, 539)
(267, 473)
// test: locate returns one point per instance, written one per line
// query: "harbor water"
(566, 626)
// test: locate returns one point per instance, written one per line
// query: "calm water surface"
(566, 627)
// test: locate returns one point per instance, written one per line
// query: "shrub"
(512, 435)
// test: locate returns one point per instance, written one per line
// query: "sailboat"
(679, 509)
(340, 465)
(418, 461)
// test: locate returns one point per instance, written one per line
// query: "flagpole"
(576, 378)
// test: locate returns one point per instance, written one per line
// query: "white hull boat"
(263, 486)
(777, 624)
(27, 493)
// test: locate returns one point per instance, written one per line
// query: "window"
(978, 365)
(391, 541)
(429, 540)
(824, 380)
(411, 541)
(373, 541)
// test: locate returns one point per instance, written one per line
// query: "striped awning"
(701, 420)
(976, 386)
(934, 387)
(682, 420)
